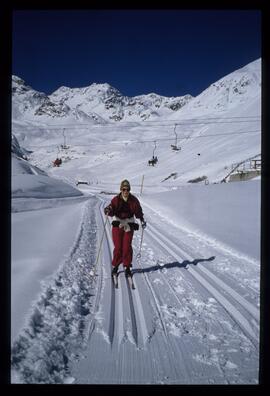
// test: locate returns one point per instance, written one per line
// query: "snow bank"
(40, 241)
(229, 213)
(30, 181)
(51, 291)
(37, 186)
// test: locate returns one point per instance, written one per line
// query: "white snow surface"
(30, 181)
(193, 317)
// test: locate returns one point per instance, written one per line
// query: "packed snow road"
(183, 324)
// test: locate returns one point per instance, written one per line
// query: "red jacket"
(123, 209)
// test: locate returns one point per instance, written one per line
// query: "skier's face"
(125, 192)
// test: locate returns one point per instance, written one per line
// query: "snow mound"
(30, 181)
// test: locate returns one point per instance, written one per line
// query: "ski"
(130, 282)
(128, 278)
(115, 280)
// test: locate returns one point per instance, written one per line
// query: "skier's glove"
(143, 224)
(107, 210)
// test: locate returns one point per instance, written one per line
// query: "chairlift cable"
(162, 139)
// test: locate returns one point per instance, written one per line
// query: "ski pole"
(92, 272)
(139, 254)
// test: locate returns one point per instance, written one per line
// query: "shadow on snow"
(175, 264)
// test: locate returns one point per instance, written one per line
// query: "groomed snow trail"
(182, 324)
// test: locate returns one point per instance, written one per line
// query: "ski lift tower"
(154, 148)
(64, 146)
(174, 146)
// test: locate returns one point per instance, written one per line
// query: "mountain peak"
(101, 85)
(228, 92)
(18, 80)
(101, 102)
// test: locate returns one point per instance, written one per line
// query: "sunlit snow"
(194, 315)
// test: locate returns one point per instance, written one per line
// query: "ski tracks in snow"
(119, 321)
(170, 263)
(182, 324)
(179, 326)
(130, 343)
(223, 293)
(123, 299)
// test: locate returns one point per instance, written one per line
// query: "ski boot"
(114, 270)
(128, 272)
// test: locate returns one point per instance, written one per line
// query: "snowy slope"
(227, 93)
(194, 315)
(218, 128)
(30, 181)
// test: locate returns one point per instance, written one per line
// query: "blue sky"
(169, 52)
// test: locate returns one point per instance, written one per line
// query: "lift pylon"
(174, 146)
(64, 146)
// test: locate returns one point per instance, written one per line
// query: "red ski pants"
(122, 247)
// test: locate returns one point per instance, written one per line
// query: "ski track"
(125, 293)
(198, 246)
(153, 341)
(248, 318)
(172, 309)
(181, 325)
(207, 279)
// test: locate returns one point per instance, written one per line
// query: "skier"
(123, 207)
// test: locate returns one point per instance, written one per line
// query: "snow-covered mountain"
(216, 129)
(238, 88)
(107, 101)
(101, 103)
(31, 105)
(96, 103)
